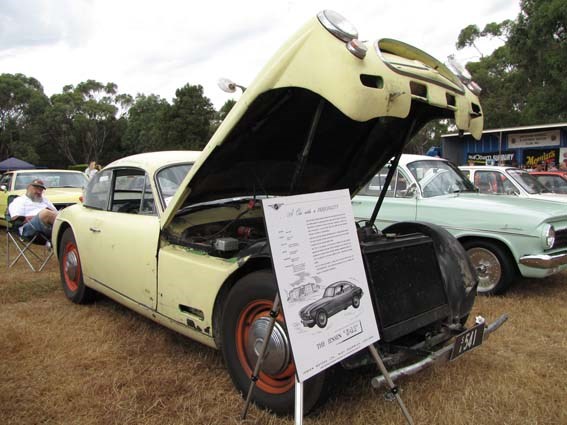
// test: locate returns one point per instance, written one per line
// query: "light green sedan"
(505, 237)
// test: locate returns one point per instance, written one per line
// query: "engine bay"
(219, 230)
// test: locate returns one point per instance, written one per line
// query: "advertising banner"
(532, 157)
(506, 157)
(530, 140)
(321, 279)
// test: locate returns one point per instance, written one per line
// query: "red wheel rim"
(273, 384)
(71, 266)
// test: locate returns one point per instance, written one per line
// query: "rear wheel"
(493, 266)
(245, 322)
(71, 271)
(356, 301)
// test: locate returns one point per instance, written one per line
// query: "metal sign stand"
(299, 385)
(261, 354)
(393, 389)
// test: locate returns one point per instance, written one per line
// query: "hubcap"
(278, 353)
(487, 266)
(71, 265)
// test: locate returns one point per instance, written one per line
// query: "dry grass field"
(101, 364)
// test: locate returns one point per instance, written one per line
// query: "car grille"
(405, 284)
(560, 238)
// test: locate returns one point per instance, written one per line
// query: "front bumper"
(544, 261)
(440, 356)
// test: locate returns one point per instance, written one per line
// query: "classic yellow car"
(64, 187)
(326, 113)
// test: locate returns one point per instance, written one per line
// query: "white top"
(23, 206)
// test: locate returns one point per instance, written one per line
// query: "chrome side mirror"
(229, 86)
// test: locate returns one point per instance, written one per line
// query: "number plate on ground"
(468, 340)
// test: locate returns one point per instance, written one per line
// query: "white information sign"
(321, 278)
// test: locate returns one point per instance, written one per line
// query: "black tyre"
(71, 271)
(356, 301)
(244, 323)
(321, 318)
(493, 266)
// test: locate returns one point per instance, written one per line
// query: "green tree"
(83, 119)
(429, 136)
(189, 119)
(538, 46)
(147, 125)
(523, 80)
(22, 105)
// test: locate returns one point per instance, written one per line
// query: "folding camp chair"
(26, 249)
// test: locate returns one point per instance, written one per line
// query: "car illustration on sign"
(181, 238)
(337, 297)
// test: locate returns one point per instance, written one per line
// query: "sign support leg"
(393, 388)
(261, 354)
(298, 402)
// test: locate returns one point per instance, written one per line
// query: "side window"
(98, 191)
(485, 181)
(5, 181)
(466, 173)
(132, 193)
(403, 186)
(374, 187)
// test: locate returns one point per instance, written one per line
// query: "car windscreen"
(169, 179)
(51, 179)
(555, 183)
(528, 182)
(436, 178)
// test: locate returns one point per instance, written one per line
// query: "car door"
(120, 236)
(399, 203)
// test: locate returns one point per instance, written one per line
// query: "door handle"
(94, 230)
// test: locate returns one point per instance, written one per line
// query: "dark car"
(337, 297)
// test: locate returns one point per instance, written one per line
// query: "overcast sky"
(158, 46)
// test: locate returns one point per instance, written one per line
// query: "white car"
(501, 180)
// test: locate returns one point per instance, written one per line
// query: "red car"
(555, 181)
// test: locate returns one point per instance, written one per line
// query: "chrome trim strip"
(544, 261)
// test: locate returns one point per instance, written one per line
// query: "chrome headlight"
(337, 25)
(548, 236)
(463, 74)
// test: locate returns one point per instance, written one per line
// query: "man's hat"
(38, 183)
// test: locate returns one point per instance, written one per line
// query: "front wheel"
(71, 271)
(321, 318)
(244, 325)
(356, 301)
(493, 266)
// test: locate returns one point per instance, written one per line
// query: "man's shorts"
(35, 225)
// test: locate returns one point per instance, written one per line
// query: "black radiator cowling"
(405, 282)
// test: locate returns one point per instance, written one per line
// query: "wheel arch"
(252, 265)
(497, 241)
(60, 231)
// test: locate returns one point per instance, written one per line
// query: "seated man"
(36, 211)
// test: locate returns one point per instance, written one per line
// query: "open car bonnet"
(319, 117)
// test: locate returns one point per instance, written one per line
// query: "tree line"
(93, 121)
(523, 83)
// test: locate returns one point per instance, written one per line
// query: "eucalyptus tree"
(22, 105)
